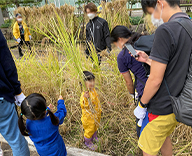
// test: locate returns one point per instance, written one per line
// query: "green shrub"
(136, 20)
(7, 23)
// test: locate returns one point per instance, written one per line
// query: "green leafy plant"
(136, 20)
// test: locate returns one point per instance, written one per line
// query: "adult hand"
(142, 56)
(140, 113)
(30, 37)
(86, 95)
(18, 40)
(19, 99)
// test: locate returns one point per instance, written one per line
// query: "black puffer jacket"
(97, 32)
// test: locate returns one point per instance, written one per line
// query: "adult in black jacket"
(9, 92)
(97, 31)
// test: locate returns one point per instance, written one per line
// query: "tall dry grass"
(41, 73)
(116, 13)
(149, 25)
(40, 17)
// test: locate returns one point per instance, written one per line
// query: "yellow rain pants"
(91, 113)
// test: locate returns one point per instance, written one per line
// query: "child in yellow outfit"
(91, 111)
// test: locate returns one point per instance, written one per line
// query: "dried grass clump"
(116, 13)
(41, 18)
(149, 25)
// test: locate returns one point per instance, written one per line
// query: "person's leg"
(138, 129)
(19, 48)
(145, 154)
(166, 149)
(89, 130)
(10, 130)
(28, 45)
(154, 135)
(87, 53)
(99, 58)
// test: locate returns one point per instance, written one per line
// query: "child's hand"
(52, 107)
(60, 98)
(86, 95)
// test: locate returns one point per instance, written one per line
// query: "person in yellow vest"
(21, 33)
(91, 111)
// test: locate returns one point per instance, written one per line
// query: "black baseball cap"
(18, 14)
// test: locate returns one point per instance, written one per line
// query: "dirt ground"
(8, 152)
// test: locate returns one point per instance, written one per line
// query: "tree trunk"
(17, 3)
(130, 13)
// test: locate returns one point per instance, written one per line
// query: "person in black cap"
(21, 33)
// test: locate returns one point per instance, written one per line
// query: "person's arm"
(16, 32)
(124, 60)
(61, 111)
(88, 40)
(26, 28)
(84, 103)
(163, 46)
(28, 31)
(8, 65)
(107, 35)
(154, 81)
(129, 82)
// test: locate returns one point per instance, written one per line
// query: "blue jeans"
(9, 129)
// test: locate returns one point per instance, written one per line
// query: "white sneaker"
(1, 152)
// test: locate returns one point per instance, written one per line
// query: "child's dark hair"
(34, 108)
(88, 76)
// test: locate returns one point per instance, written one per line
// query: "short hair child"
(91, 111)
(42, 125)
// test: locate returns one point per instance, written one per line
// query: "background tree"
(16, 3)
(80, 2)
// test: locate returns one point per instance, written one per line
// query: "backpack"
(144, 43)
(182, 105)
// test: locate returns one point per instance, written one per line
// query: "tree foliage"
(79, 2)
(12, 3)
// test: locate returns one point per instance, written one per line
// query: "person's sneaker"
(1, 152)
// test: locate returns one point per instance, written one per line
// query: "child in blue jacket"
(42, 126)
